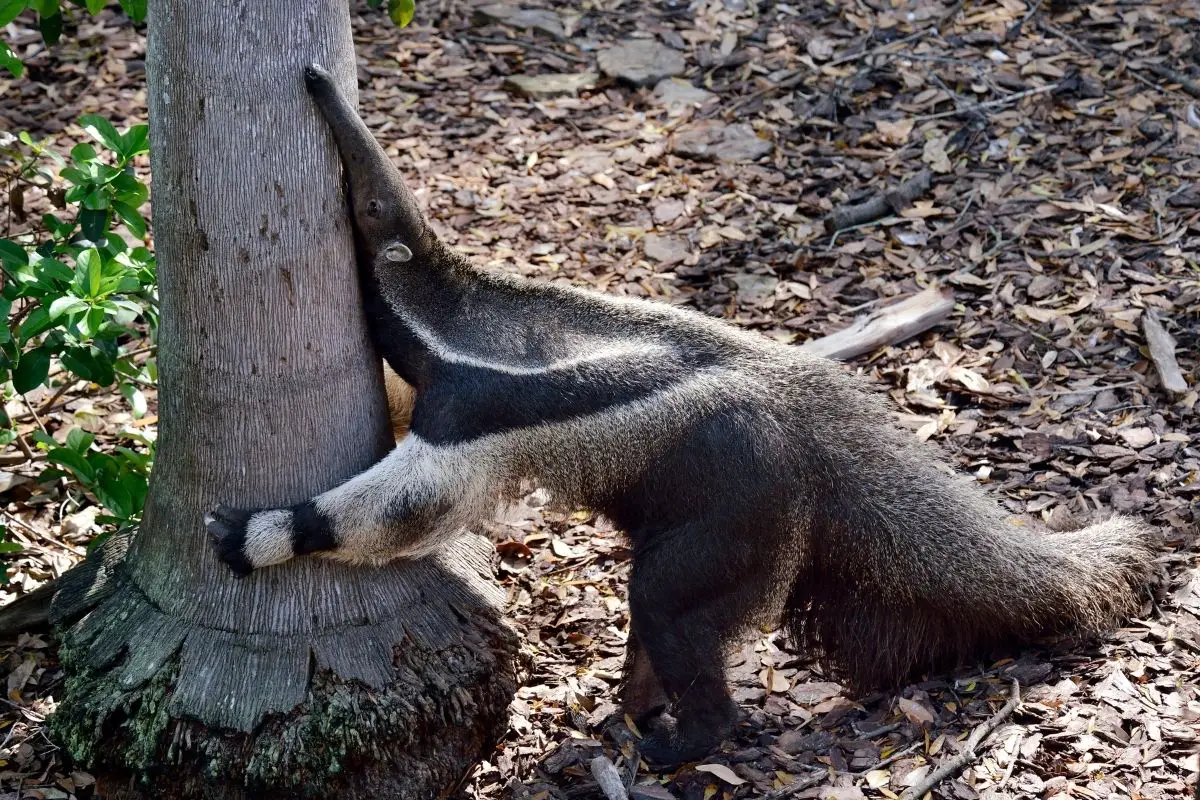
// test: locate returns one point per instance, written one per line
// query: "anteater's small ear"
(397, 252)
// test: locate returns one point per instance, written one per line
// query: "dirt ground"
(1063, 143)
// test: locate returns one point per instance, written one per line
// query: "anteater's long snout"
(357, 146)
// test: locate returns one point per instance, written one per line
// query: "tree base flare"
(157, 707)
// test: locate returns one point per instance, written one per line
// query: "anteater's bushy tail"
(909, 568)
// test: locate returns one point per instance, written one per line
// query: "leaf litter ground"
(697, 167)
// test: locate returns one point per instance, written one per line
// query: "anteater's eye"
(373, 208)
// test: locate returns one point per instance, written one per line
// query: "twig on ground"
(1003, 101)
(948, 17)
(626, 742)
(1015, 31)
(796, 76)
(798, 785)
(1094, 389)
(871, 733)
(893, 758)
(969, 754)
(1171, 76)
(1162, 353)
(874, 51)
(1012, 762)
(1166, 73)
(887, 325)
(24, 447)
(609, 780)
(537, 48)
(891, 202)
(49, 404)
(36, 418)
(1066, 37)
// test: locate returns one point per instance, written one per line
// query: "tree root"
(396, 708)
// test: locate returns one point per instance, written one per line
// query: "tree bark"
(312, 678)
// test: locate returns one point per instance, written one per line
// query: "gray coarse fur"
(756, 482)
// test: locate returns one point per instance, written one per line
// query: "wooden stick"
(1171, 76)
(884, 326)
(798, 785)
(968, 755)
(609, 779)
(892, 202)
(1012, 762)
(796, 76)
(1015, 31)
(1162, 353)
(892, 759)
(1016, 97)
(1185, 83)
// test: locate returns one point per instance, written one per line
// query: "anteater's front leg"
(405, 506)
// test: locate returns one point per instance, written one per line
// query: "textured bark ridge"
(398, 704)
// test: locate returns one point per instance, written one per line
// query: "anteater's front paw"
(227, 531)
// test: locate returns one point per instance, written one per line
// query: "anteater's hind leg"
(642, 694)
(692, 592)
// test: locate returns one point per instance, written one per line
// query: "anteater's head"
(385, 212)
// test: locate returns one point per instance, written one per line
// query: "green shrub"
(80, 298)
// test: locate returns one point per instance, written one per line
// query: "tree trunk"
(312, 678)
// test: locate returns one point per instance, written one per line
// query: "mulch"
(1062, 142)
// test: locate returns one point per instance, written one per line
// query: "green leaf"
(136, 9)
(132, 219)
(73, 461)
(83, 153)
(89, 363)
(9, 60)
(137, 138)
(51, 26)
(12, 254)
(66, 305)
(129, 188)
(136, 399)
(76, 176)
(95, 272)
(93, 222)
(102, 131)
(104, 173)
(79, 440)
(115, 498)
(37, 321)
(10, 10)
(54, 270)
(401, 11)
(97, 200)
(94, 7)
(87, 265)
(89, 326)
(10, 547)
(31, 371)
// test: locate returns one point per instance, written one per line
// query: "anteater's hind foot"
(673, 740)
